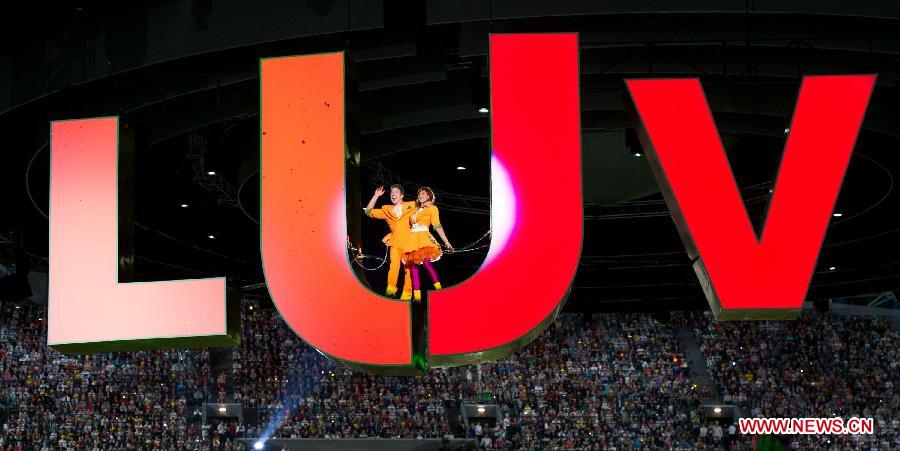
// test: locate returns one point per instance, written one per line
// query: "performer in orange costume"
(420, 247)
(397, 217)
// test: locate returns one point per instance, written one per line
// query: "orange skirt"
(421, 246)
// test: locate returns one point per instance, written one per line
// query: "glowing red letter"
(89, 310)
(745, 277)
(304, 222)
(536, 205)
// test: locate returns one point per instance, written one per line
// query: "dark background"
(183, 76)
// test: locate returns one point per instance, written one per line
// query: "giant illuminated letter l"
(89, 310)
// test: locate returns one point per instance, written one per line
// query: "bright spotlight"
(258, 445)
(717, 410)
(483, 110)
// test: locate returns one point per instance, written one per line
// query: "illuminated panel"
(537, 242)
(89, 310)
(304, 223)
(745, 277)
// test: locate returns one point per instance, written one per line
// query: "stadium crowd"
(611, 381)
(818, 366)
(136, 400)
(603, 381)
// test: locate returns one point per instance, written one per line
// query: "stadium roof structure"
(183, 76)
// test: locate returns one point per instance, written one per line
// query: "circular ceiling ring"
(879, 201)
(240, 203)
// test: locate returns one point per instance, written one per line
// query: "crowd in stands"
(613, 380)
(818, 366)
(602, 381)
(315, 397)
(136, 400)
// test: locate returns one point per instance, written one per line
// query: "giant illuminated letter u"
(536, 213)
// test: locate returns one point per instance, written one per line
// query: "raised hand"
(379, 191)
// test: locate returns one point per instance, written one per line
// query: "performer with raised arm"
(396, 214)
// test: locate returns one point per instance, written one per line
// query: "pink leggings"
(414, 272)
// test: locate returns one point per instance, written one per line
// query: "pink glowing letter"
(89, 310)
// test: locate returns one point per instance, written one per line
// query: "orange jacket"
(399, 224)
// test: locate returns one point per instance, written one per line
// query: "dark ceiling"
(184, 76)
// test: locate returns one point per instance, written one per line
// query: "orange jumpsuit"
(399, 225)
